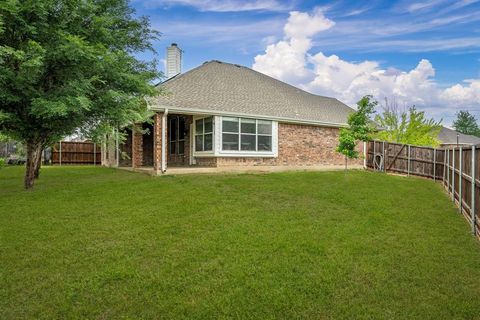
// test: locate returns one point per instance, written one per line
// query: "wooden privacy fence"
(66, 152)
(458, 169)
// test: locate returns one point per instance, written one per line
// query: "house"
(451, 138)
(226, 115)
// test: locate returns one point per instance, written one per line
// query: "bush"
(2, 162)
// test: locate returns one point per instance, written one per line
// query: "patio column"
(137, 145)
(160, 142)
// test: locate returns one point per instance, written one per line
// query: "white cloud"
(286, 59)
(224, 5)
(291, 60)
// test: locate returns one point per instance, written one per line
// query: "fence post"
(444, 166)
(383, 156)
(94, 154)
(460, 178)
(448, 170)
(472, 206)
(60, 153)
(408, 161)
(453, 175)
(434, 164)
(364, 155)
(373, 158)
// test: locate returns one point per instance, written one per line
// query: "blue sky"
(425, 53)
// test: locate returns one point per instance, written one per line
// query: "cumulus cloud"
(292, 61)
(286, 59)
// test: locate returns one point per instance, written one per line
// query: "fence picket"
(472, 206)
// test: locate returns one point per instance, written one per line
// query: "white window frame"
(203, 153)
(217, 140)
(246, 153)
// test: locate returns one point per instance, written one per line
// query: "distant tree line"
(466, 124)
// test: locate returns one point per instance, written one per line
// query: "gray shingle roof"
(449, 136)
(218, 87)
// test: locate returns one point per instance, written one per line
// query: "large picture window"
(243, 134)
(204, 134)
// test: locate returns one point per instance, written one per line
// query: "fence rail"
(457, 168)
(76, 153)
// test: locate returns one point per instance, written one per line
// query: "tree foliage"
(407, 127)
(360, 128)
(68, 65)
(466, 124)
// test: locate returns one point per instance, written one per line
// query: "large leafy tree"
(360, 128)
(407, 127)
(466, 124)
(70, 64)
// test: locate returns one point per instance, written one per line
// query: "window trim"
(247, 153)
(217, 140)
(203, 134)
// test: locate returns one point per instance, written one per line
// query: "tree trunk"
(34, 151)
(38, 164)
(346, 163)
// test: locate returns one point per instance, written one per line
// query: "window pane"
(230, 124)
(199, 126)
(248, 125)
(208, 142)
(230, 141)
(264, 143)
(248, 142)
(199, 143)
(173, 129)
(208, 124)
(181, 128)
(172, 148)
(181, 147)
(264, 127)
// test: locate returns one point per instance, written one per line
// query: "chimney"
(174, 61)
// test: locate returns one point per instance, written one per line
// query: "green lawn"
(96, 243)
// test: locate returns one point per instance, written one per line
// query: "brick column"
(137, 146)
(157, 141)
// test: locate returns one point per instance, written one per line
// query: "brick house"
(224, 115)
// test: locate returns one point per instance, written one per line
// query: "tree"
(360, 128)
(407, 127)
(466, 124)
(68, 65)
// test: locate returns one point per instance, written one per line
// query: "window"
(177, 135)
(242, 134)
(204, 134)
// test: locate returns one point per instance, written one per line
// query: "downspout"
(163, 166)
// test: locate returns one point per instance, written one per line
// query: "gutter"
(232, 114)
(163, 165)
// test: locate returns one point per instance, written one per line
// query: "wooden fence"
(457, 168)
(76, 153)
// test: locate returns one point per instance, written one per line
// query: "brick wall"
(157, 141)
(299, 145)
(309, 145)
(137, 146)
(206, 161)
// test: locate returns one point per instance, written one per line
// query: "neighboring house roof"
(223, 88)
(449, 136)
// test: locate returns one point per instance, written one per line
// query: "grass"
(97, 243)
